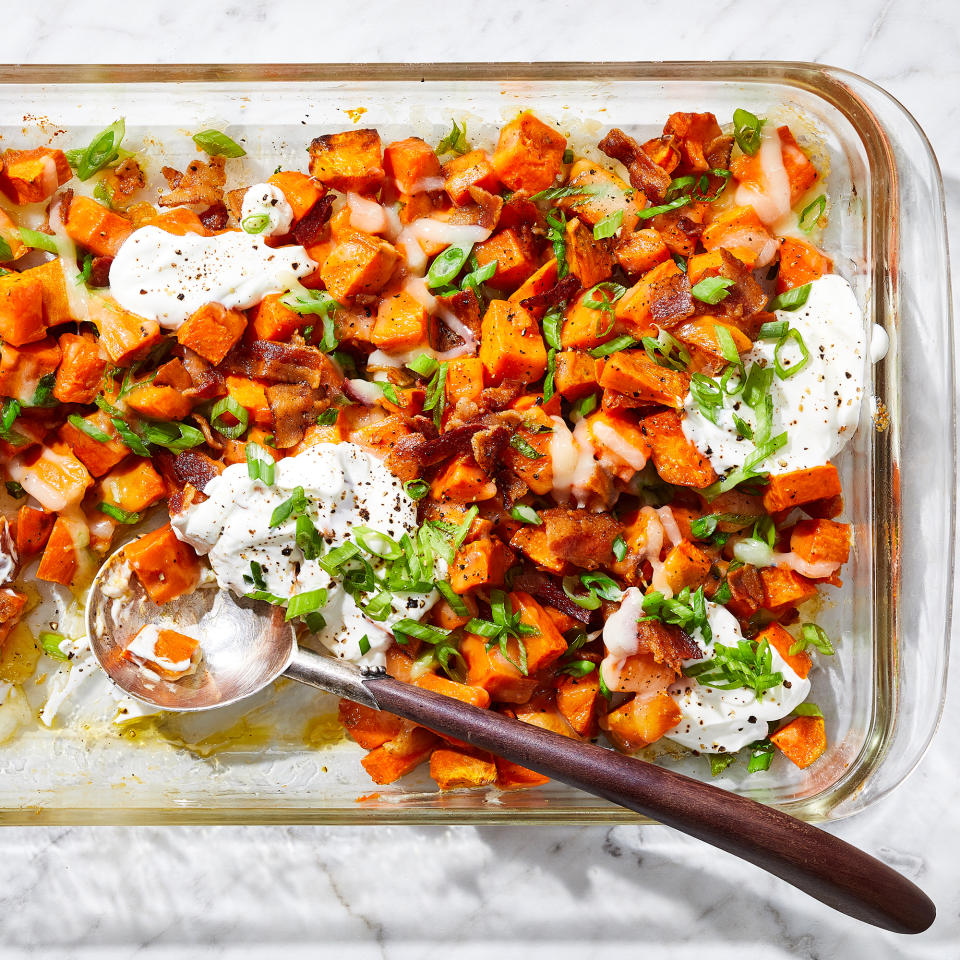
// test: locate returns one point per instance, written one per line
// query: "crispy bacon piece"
(520, 213)
(123, 182)
(173, 374)
(747, 594)
(403, 460)
(545, 588)
(492, 399)
(565, 289)
(744, 300)
(483, 212)
(66, 198)
(213, 440)
(671, 300)
(488, 445)
(667, 644)
(451, 443)
(308, 230)
(100, 271)
(465, 307)
(196, 468)
(294, 407)
(283, 363)
(645, 175)
(207, 382)
(215, 217)
(580, 537)
(200, 183)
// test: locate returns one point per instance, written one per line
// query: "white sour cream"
(144, 648)
(346, 488)
(818, 407)
(267, 200)
(166, 277)
(724, 721)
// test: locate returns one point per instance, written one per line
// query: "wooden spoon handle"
(824, 866)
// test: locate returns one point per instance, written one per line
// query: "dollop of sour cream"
(266, 200)
(723, 721)
(166, 277)
(345, 487)
(818, 406)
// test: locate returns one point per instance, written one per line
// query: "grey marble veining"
(406, 892)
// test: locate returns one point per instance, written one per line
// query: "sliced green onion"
(454, 599)
(571, 190)
(605, 587)
(37, 240)
(552, 324)
(423, 364)
(791, 299)
(608, 226)
(524, 448)
(294, 505)
(481, 275)
(118, 514)
(455, 141)
(549, 385)
(218, 144)
(50, 644)
(664, 207)
(808, 710)
(260, 464)
(15, 489)
(416, 489)
(526, 514)
(788, 370)
(812, 213)
(255, 223)
(364, 645)
(406, 628)
(773, 330)
(447, 265)
(378, 544)
(579, 668)
(623, 342)
(746, 131)
(231, 406)
(93, 432)
(6, 254)
(175, 437)
(307, 538)
(589, 601)
(620, 547)
(129, 438)
(328, 417)
(761, 756)
(338, 556)
(307, 602)
(585, 406)
(102, 151)
(719, 762)
(707, 395)
(712, 289)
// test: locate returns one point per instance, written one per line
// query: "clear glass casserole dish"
(281, 758)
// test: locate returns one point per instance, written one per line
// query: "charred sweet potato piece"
(821, 541)
(786, 490)
(401, 755)
(81, 369)
(676, 459)
(576, 374)
(97, 456)
(21, 309)
(96, 228)
(686, 565)
(511, 346)
(661, 296)
(473, 169)
(351, 160)
(696, 135)
(33, 530)
(368, 727)
(577, 700)
(589, 260)
(490, 670)
(514, 256)
(529, 154)
(579, 537)
(784, 588)
(641, 721)
(633, 373)
(360, 264)
(212, 331)
(800, 263)
(640, 252)
(165, 565)
(741, 232)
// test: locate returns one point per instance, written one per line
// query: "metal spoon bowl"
(246, 645)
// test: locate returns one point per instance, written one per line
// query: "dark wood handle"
(819, 864)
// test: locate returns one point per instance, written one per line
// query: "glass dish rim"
(823, 81)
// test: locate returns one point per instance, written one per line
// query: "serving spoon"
(247, 645)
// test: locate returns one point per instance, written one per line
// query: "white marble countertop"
(532, 892)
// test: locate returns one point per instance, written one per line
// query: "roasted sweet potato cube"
(820, 541)
(271, 320)
(252, 396)
(529, 154)
(123, 335)
(676, 459)
(464, 379)
(212, 331)
(539, 282)
(458, 770)
(514, 257)
(473, 169)
(483, 563)
(638, 307)
(159, 403)
(412, 164)
(462, 481)
(634, 374)
(300, 191)
(686, 565)
(800, 263)
(740, 231)
(351, 160)
(81, 369)
(781, 641)
(362, 263)
(577, 700)
(641, 721)
(576, 374)
(401, 324)
(692, 134)
(401, 755)
(785, 588)
(22, 368)
(464, 692)
(381, 436)
(611, 194)
(544, 647)
(165, 565)
(700, 335)
(532, 542)
(787, 490)
(541, 711)
(590, 260)
(30, 176)
(98, 457)
(96, 228)
(585, 327)
(368, 727)
(33, 530)
(56, 304)
(640, 252)
(511, 346)
(803, 740)
(490, 670)
(133, 486)
(21, 309)
(62, 557)
(511, 776)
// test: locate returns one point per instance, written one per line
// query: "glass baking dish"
(281, 758)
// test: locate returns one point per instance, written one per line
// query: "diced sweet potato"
(511, 346)
(787, 490)
(166, 646)
(634, 374)
(81, 369)
(61, 558)
(532, 542)
(368, 727)
(577, 700)
(33, 530)
(22, 368)
(362, 263)
(94, 227)
(56, 305)
(588, 259)
(640, 252)
(12, 604)
(133, 486)
(457, 769)
(98, 457)
(464, 379)
(785, 588)
(271, 320)
(411, 163)
(612, 194)
(381, 436)
(514, 257)
(581, 537)
(401, 324)
(800, 263)
(536, 473)
(740, 231)
(351, 160)
(585, 327)
(52, 475)
(21, 309)
(686, 565)
(300, 191)
(821, 541)
(693, 134)
(803, 740)
(159, 403)
(529, 154)
(543, 647)
(464, 482)
(212, 331)
(641, 721)
(401, 755)
(801, 173)
(700, 335)
(165, 565)
(576, 374)
(444, 616)
(676, 459)
(123, 335)
(539, 282)
(464, 692)
(483, 563)
(252, 396)
(781, 641)
(30, 176)
(473, 169)
(541, 711)
(636, 307)
(490, 670)
(511, 776)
